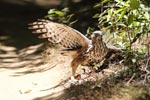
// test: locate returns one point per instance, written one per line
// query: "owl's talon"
(73, 80)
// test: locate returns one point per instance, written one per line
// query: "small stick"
(130, 79)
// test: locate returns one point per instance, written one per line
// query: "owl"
(83, 51)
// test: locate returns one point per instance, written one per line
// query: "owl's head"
(96, 35)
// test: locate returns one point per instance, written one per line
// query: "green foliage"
(126, 20)
(89, 31)
(62, 16)
(134, 4)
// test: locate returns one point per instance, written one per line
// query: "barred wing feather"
(61, 34)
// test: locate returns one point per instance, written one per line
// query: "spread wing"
(61, 34)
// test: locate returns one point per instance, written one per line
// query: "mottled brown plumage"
(86, 51)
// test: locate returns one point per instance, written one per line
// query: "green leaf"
(118, 11)
(51, 11)
(65, 10)
(100, 4)
(96, 15)
(89, 30)
(60, 13)
(127, 44)
(122, 2)
(130, 19)
(50, 15)
(69, 17)
(148, 27)
(147, 16)
(134, 4)
(121, 24)
(122, 14)
(136, 23)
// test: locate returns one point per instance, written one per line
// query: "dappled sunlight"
(27, 58)
(29, 74)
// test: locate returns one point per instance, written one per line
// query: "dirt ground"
(22, 72)
(24, 76)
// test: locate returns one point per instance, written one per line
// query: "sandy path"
(24, 77)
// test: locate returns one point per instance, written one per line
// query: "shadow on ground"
(18, 47)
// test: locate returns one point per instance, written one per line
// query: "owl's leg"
(74, 65)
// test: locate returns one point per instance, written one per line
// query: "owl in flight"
(83, 50)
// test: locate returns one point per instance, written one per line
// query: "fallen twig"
(131, 79)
